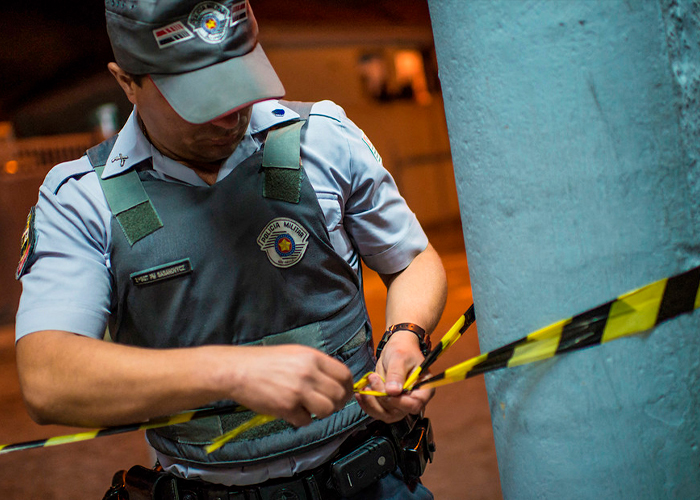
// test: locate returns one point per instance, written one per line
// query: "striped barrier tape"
(634, 312)
(631, 313)
(119, 429)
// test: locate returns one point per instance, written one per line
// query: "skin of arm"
(416, 295)
(75, 380)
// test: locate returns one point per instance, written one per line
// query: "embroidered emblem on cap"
(210, 21)
(171, 34)
(284, 240)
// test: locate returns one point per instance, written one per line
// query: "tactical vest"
(247, 260)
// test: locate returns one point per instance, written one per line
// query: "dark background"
(50, 46)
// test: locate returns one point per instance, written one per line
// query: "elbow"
(37, 416)
(39, 404)
(40, 397)
(41, 382)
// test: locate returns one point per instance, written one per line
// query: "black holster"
(140, 483)
(413, 438)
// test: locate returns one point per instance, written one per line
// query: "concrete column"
(574, 127)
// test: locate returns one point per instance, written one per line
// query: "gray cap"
(204, 57)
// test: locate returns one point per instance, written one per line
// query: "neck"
(207, 171)
(206, 176)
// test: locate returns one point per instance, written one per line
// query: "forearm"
(74, 380)
(415, 295)
(418, 293)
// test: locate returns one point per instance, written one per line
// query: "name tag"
(160, 273)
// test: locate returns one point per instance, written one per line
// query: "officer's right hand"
(291, 382)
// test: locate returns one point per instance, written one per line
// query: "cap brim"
(205, 94)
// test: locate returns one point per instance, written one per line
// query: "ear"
(124, 80)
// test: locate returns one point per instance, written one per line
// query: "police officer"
(219, 237)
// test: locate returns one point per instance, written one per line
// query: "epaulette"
(63, 172)
(328, 109)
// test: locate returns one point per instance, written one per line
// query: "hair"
(138, 79)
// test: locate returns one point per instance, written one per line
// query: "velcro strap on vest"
(130, 204)
(126, 197)
(282, 164)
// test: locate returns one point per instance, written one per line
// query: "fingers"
(401, 354)
(295, 382)
(298, 418)
(395, 378)
(399, 357)
(393, 408)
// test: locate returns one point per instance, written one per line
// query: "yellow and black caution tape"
(179, 418)
(634, 312)
(452, 335)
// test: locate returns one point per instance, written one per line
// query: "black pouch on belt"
(148, 484)
(366, 465)
(413, 438)
(417, 449)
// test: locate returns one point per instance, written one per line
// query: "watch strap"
(423, 338)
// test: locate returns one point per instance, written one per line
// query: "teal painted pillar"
(575, 128)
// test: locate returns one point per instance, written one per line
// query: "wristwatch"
(423, 339)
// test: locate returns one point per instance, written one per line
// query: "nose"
(228, 121)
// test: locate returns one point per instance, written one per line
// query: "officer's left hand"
(399, 356)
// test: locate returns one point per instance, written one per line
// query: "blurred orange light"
(409, 68)
(11, 167)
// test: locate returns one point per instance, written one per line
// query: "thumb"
(394, 378)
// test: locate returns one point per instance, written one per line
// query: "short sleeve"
(66, 283)
(375, 218)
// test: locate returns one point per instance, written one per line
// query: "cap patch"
(27, 244)
(210, 21)
(171, 34)
(239, 13)
(284, 240)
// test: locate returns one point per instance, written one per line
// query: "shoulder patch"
(372, 149)
(328, 109)
(27, 244)
(59, 174)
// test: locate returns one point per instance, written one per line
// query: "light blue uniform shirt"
(68, 286)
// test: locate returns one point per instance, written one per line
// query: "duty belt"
(150, 484)
(363, 459)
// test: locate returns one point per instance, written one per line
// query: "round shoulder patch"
(284, 240)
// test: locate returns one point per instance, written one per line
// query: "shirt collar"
(132, 147)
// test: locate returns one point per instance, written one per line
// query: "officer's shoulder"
(329, 109)
(63, 172)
